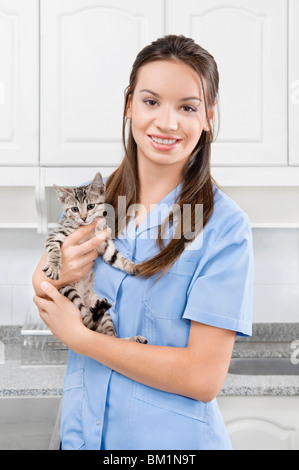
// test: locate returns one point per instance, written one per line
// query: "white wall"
(20, 251)
(276, 274)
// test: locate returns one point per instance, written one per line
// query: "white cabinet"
(261, 423)
(294, 83)
(248, 39)
(19, 87)
(87, 50)
(64, 66)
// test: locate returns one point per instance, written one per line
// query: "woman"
(194, 293)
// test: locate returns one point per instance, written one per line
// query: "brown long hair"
(197, 183)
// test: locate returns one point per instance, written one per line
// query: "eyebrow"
(188, 98)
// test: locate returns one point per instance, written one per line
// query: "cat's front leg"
(53, 247)
(53, 264)
(112, 256)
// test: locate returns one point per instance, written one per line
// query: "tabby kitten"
(81, 206)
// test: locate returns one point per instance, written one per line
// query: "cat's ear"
(97, 184)
(62, 192)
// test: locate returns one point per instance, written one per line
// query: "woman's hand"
(77, 258)
(61, 316)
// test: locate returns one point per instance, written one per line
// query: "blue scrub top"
(211, 283)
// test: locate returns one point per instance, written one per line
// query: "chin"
(86, 223)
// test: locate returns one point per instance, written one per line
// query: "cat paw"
(130, 267)
(101, 306)
(52, 271)
(101, 225)
(137, 339)
(141, 339)
(135, 270)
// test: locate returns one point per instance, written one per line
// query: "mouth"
(164, 143)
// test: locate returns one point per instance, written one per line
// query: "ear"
(211, 115)
(62, 192)
(97, 184)
(129, 108)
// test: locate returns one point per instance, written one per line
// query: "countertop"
(38, 367)
(269, 340)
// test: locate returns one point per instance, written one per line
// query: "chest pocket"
(167, 297)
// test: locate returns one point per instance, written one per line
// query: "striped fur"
(81, 206)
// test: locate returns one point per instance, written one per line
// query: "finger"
(88, 257)
(51, 291)
(88, 267)
(44, 316)
(94, 242)
(80, 233)
(41, 303)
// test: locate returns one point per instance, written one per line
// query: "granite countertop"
(37, 368)
(269, 340)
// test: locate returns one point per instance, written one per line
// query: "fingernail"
(44, 285)
(108, 231)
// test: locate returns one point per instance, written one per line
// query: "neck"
(156, 183)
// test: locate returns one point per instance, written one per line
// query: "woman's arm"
(77, 258)
(197, 371)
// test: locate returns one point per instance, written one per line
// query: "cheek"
(138, 131)
(194, 131)
(140, 117)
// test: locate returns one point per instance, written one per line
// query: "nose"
(166, 120)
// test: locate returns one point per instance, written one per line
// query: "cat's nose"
(83, 218)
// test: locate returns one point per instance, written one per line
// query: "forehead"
(167, 77)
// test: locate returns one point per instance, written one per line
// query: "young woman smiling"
(193, 295)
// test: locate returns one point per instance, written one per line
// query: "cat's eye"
(75, 209)
(90, 207)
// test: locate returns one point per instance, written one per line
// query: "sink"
(29, 423)
(263, 366)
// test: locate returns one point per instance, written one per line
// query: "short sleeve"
(221, 293)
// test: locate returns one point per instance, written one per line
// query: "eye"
(75, 209)
(90, 207)
(189, 109)
(151, 103)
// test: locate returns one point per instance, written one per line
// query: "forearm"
(170, 369)
(196, 371)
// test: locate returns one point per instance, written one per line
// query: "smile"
(163, 143)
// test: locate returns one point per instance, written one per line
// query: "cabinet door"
(87, 50)
(18, 82)
(294, 84)
(248, 39)
(261, 422)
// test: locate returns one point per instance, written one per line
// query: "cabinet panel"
(248, 39)
(294, 83)
(261, 422)
(87, 50)
(18, 82)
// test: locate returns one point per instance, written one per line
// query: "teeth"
(164, 141)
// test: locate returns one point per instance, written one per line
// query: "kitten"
(81, 206)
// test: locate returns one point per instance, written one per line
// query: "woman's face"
(167, 113)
